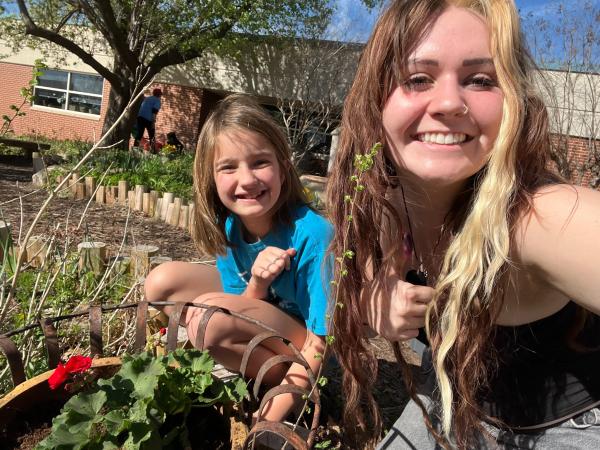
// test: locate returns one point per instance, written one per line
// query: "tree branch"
(65, 19)
(114, 34)
(176, 56)
(33, 29)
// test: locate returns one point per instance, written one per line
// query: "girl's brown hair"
(239, 113)
(467, 290)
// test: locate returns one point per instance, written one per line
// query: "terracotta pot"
(35, 393)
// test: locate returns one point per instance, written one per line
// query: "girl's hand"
(268, 265)
(397, 311)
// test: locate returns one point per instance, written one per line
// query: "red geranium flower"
(75, 364)
(58, 377)
(78, 363)
(162, 331)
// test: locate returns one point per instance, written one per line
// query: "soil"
(30, 429)
(106, 223)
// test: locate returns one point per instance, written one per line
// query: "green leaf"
(72, 428)
(115, 422)
(203, 363)
(239, 389)
(109, 445)
(139, 411)
(87, 405)
(142, 433)
(324, 444)
(143, 372)
(322, 381)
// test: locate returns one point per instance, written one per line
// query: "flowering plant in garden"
(168, 149)
(362, 164)
(75, 365)
(145, 405)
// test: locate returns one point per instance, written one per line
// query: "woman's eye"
(225, 169)
(417, 83)
(482, 82)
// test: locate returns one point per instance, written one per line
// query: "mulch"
(20, 201)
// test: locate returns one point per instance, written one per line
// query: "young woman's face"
(248, 177)
(442, 121)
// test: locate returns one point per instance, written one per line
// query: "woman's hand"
(268, 265)
(396, 309)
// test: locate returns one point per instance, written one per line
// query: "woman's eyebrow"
(478, 62)
(466, 62)
(424, 62)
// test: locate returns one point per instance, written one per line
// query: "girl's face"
(248, 178)
(442, 121)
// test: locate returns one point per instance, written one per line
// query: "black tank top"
(541, 379)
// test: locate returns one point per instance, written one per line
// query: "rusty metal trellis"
(94, 313)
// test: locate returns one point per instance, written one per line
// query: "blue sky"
(353, 22)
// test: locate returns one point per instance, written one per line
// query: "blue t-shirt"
(148, 105)
(301, 291)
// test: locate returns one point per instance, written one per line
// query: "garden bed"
(107, 224)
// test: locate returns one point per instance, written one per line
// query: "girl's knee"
(160, 282)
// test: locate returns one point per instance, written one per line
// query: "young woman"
(479, 241)
(270, 247)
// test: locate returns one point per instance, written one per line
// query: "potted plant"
(170, 401)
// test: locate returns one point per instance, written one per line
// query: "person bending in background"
(146, 118)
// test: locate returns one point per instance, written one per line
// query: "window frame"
(68, 92)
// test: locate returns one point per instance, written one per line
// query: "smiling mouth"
(443, 138)
(252, 196)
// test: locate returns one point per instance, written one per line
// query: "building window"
(69, 91)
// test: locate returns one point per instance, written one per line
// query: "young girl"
(509, 253)
(252, 213)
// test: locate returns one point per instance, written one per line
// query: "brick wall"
(181, 112)
(584, 170)
(45, 122)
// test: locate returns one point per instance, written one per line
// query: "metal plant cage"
(285, 432)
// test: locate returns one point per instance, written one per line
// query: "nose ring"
(464, 111)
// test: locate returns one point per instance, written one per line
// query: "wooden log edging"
(154, 204)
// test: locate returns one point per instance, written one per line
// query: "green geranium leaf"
(143, 372)
(239, 389)
(143, 436)
(115, 422)
(87, 405)
(203, 363)
(139, 411)
(65, 435)
(202, 382)
(109, 445)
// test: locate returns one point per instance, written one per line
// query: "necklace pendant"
(416, 277)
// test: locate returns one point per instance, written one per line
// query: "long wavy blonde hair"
(237, 112)
(473, 278)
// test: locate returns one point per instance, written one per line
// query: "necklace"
(419, 276)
